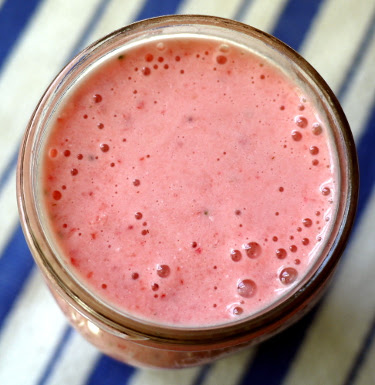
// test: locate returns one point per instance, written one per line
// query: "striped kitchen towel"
(334, 344)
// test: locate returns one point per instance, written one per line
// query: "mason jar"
(148, 343)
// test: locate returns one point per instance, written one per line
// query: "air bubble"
(293, 248)
(104, 147)
(281, 253)
(149, 57)
(326, 191)
(160, 46)
(252, 249)
(307, 222)
(136, 182)
(163, 271)
(237, 310)
(56, 195)
(314, 150)
(66, 153)
(221, 59)
(296, 135)
(74, 171)
(300, 121)
(100, 126)
(316, 129)
(146, 71)
(53, 153)
(138, 215)
(97, 98)
(236, 255)
(154, 287)
(246, 288)
(305, 241)
(288, 275)
(135, 276)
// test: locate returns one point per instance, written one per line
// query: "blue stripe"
(295, 21)
(56, 356)
(359, 361)
(201, 377)
(11, 11)
(241, 11)
(15, 266)
(9, 168)
(109, 371)
(366, 158)
(154, 8)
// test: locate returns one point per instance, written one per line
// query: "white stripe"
(118, 14)
(358, 103)
(264, 14)
(35, 60)
(1, 3)
(220, 8)
(229, 370)
(164, 377)
(67, 371)
(366, 374)
(29, 334)
(335, 36)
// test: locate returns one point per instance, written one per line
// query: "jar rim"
(241, 330)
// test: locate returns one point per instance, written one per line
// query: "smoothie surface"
(188, 181)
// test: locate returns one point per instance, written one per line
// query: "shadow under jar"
(186, 185)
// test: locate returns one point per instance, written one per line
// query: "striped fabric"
(335, 343)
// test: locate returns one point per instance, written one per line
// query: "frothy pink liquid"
(188, 182)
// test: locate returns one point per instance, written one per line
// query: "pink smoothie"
(188, 182)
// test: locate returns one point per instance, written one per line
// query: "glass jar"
(149, 344)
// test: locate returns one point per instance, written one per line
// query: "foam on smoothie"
(188, 181)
